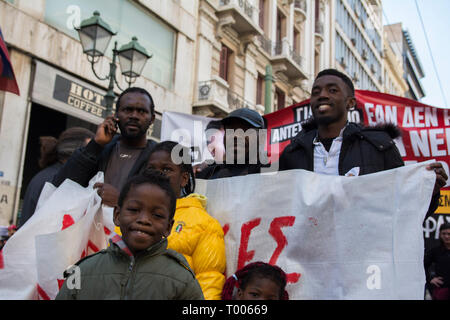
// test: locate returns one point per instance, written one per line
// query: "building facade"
(393, 72)
(260, 54)
(358, 42)
(209, 57)
(58, 87)
(402, 44)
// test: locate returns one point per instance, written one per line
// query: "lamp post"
(95, 35)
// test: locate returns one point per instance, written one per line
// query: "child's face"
(259, 289)
(144, 217)
(161, 161)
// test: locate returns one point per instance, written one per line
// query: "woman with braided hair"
(256, 281)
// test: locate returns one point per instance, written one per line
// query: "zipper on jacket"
(126, 278)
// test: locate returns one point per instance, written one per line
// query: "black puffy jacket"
(369, 148)
(372, 149)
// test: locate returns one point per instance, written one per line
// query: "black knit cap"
(248, 115)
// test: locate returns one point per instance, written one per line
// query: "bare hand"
(108, 193)
(106, 130)
(437, 281)
(199, 167)
(441, 176)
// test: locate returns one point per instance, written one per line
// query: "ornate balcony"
(319, 32)
(214, 98)
(300, 9)
(287, 61)
(239, 14)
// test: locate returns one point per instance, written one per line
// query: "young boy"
(138, 265)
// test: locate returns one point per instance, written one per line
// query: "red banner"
(425, 129)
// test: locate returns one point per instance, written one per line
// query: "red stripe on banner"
(67, 221)
(2, 264)
(42, 293)
(60, 283)
(92, 246)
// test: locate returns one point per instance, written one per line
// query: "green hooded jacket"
(157, 273)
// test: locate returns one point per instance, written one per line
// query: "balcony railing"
(266, 44)
(301, 5)
(243, 13)
(215, 93)
(243, 4)
(319, 32)
(285, 49)
(319, 27)
(300, 8)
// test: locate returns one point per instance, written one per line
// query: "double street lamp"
(95, 35)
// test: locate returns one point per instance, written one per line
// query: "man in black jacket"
(119, 156)
(329, 144)
(242, 141)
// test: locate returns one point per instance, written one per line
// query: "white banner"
(336, 237)
(68, 224)
(189, 131)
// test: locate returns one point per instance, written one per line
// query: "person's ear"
(351, 103)
(184, 179)
(152, 118)
(169, 228)
(239, 294)
(116, 216)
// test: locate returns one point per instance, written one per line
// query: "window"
(262, 4)
(280, 99)
(296, 41)
(260, 89)
(281, 32)
(225, 56)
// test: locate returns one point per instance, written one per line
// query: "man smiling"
(329, 144)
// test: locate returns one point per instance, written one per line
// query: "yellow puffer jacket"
(199, 237)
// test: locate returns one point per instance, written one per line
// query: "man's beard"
(133, 134)
(325, 120)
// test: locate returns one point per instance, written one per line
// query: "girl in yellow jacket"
(195, 234)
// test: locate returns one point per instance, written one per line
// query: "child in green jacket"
(138, 265)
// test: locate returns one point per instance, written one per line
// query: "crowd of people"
(166, 237)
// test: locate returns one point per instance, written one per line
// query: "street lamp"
(95, 35)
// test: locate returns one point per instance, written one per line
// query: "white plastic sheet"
(337, 237)
(68, 223)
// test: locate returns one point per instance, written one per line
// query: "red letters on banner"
(246, 229)
(276, 233)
